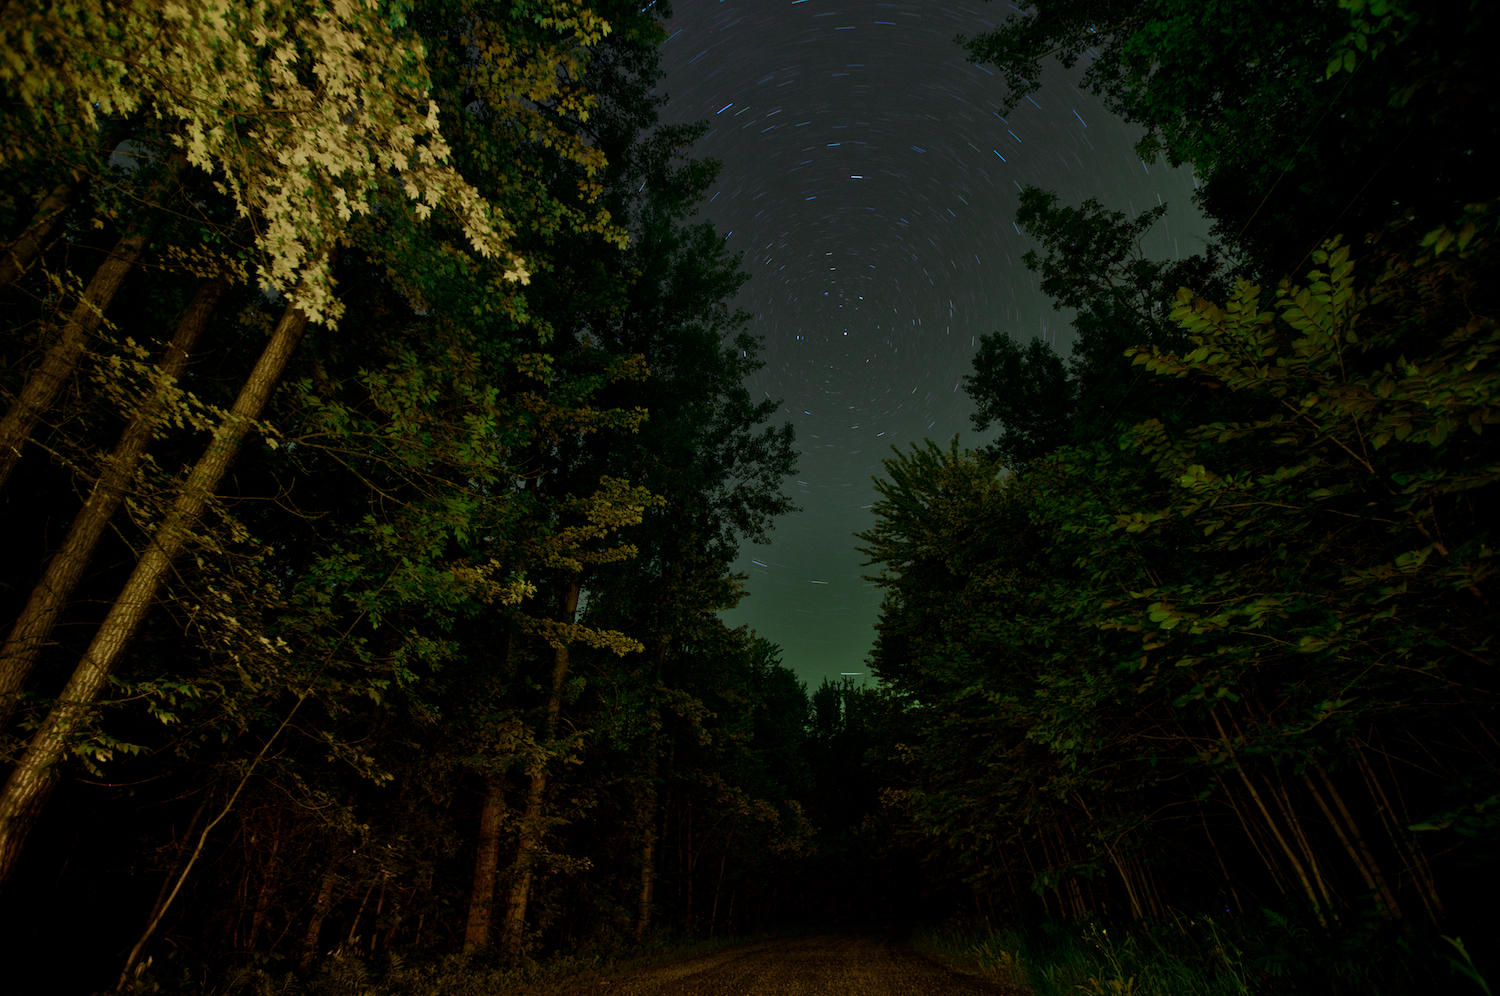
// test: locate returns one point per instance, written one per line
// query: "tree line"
(375, 454)
(1210, 625)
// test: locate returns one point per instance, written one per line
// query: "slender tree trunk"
(140, 945)
(1307, 886)
(713, 917)
(1358, 853)
(1041, 893)
(687, 862)
(16, 257)
(31, 782)
(486, 861)
(166, 890)
(1278, 793)
(270, 878)
(1228, 879)
(1416, 865)
(375, 919)
(320, 911)
(647, 842)
(59, 363)
(534, 820)
(364, 901)
(31, 631)
(1262, 848)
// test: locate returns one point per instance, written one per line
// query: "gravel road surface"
(821, 965)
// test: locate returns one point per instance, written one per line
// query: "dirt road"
(821, 965)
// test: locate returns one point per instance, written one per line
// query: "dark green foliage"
(1288, 151)
(1203, 662)
(1094, 265)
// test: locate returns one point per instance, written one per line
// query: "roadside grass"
(400, 973)
(1261, 953)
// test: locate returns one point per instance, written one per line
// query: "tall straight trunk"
(60, 362)
(1286, 848)
(1358, 852)
(24, 249)
(320, 911)
(32, 780)
(647, 810)
(1278, 793)
(270, 879)
(713, 916)
(1133, 890)
(50, 597)
(486, 861)
(1416, 865)
(687, 861)
(647, 842)
(1262, 847)
(534, 820)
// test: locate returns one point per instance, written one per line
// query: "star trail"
(870, 184)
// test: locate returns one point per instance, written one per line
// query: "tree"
(1236, 614)
(304, 115)
(1300, 119)
(1093, 264)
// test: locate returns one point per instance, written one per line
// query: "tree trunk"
(713, 916)
(60, 362)
(1278, 793)
(534, 820)
(164, 892)
(1421, 872)
(486, 860)
(31, 782)
(320, 911)
(50, 596)
(1307, 886)
(1262, 848)
(648, 847)
(16, 257)
(1358, 852)
(270, 878)
(1228, 879)
(353, 935)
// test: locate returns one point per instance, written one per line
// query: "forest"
(376, 454)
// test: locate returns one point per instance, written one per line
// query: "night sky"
(871, 186)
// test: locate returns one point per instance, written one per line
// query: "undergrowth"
(1263, 953)
(416, 973)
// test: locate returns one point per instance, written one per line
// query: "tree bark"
(32, 780)
(31, 631)
(320, 911)
(534, 820)
(648, 845)
(270, 879)
(647, 809)
(59, 363)
(486, 861)
(16, 257)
